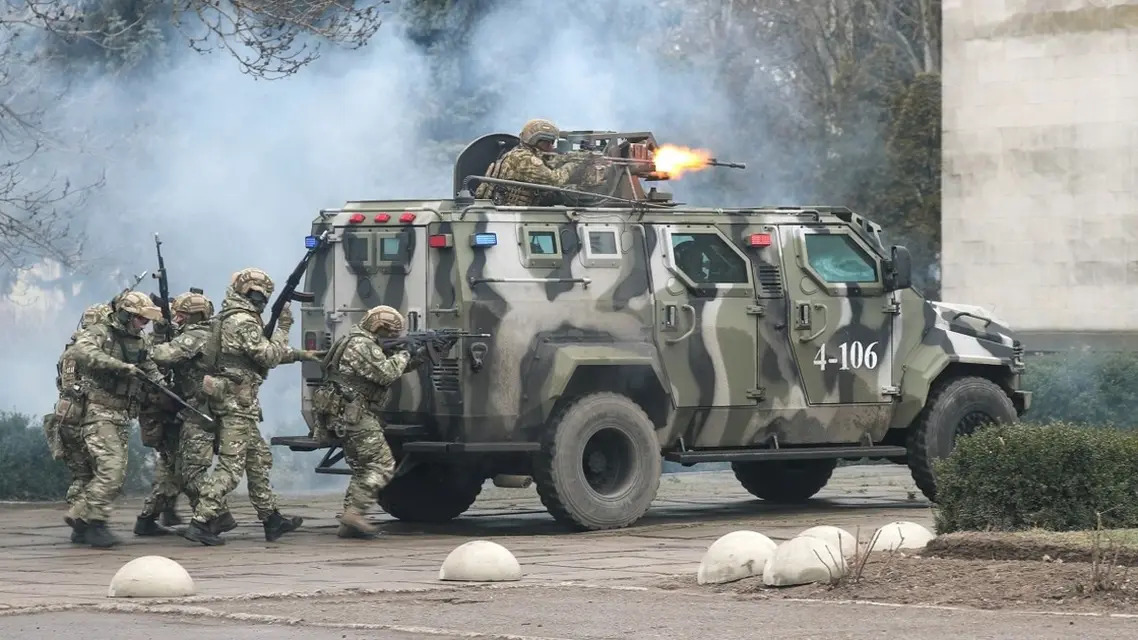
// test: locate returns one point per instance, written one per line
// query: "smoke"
(229, 170)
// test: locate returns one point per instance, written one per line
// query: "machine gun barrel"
(732, 165)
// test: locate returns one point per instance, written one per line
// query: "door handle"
(691, 310)
(804, 319)
(670, 316)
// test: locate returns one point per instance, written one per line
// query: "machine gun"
(436, 341)
(288, 292)
(163, 297)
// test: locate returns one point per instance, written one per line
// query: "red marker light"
(440, 241)
(760, 240)
(382, 217)
(356, 218)
(407, 217)
(310, 340)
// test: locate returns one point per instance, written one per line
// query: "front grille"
(445, 374)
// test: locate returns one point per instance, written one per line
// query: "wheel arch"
(935, 367)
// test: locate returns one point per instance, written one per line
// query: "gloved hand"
(313, 356)
(285, 319)
(132, 370)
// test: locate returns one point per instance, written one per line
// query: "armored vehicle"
(627, 328)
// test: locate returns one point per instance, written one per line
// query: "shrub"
(27, 471)
(1085, 387)
(1052, 476)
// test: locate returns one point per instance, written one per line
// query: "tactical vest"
(189, 373)
(66, 374)
(368, 390)
(111, 390)
(229, 365)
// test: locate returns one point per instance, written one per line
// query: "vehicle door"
(840, 316)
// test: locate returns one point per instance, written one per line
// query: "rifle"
(173, 396)
(163, 298)
(437, 341)
(288, 292)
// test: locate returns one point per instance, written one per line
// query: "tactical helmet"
(191, 303)
(139, 304)
(93, 314)
(537, 130)
(382, 319)
(252, 279)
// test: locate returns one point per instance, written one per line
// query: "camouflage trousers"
(195, 456)
(167, 479)
(241, 450)
(106, 445)
(79, 465)
(367, 453)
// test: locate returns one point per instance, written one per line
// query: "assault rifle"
(437, 341)
(163, 297)
(288, 292)
(173, 396)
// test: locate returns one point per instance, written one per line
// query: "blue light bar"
(484, 240)
(310, 241)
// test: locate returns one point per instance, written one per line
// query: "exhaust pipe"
(512, 482)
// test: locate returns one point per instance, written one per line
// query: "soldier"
(186, 447)
(108, 356)
(240, 360)
(63, 430)
(530, 161)
(358, 373)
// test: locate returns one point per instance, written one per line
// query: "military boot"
(353, 524)
(148, 526)
(98, 536)
(277, 525)
(203, 533)
(78, 529)
(223, 522)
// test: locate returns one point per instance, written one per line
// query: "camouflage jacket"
(526, 164)
(100, 353)
(358, 363)
(66, 375)
(186, 356)
(245, 355)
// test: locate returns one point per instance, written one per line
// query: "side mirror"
(900, 275)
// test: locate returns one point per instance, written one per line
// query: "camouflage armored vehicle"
(626, 328)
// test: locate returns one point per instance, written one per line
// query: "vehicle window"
(356, 249)
(602, 242)
(706, 259)
(389, 248)
(542, 243)
(838, 259)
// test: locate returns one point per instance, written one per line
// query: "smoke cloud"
(229, 170)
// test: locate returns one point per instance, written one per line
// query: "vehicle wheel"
(431, 492)
(784, 481)
(599, 465)
(955, 407)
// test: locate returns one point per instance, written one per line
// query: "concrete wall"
(1040, 175)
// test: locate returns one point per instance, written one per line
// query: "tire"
(784, 481)
(431, 492)
(957, 406)
(599, 465)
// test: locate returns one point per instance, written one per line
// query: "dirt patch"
(981, 584)
(1118, 546)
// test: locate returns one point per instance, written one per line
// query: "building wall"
(1040, 171)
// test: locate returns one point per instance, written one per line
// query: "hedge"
(1084, 387)
(27, 471)
(1056, 476)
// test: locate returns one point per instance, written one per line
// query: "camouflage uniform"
(158, 427)
(527, 162)
(243, 359)
(63, 427)
(108, 355)
(186, 450)
(358, 374)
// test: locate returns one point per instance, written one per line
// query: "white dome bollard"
(901, 534)
(151, 577)
(734, 556)
(480, 561)
(839, 538)
(803, 560)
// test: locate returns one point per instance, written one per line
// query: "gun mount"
(630, 157)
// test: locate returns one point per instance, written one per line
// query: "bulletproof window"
(389, 248)
(837, 259)
(542, 243)
(602, 242)
(706, 258)
(357, 249)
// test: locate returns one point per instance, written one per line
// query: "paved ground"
(311, 584)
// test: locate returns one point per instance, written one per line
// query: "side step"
(804, 453)
(307, 443)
